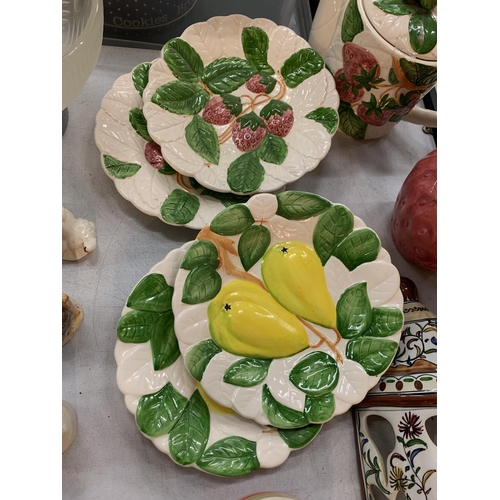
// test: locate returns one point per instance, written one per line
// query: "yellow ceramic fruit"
(245, 320)
(294, 276)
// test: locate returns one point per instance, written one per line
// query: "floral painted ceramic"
(242, 105)
(170, 407)
(383, 54)
(287, 309)
(134, 162)
(405, 399)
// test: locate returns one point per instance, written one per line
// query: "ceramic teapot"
(383, 55)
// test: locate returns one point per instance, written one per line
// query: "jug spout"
(325, 24)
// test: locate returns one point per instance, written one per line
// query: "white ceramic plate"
(173, 198)
(254, 315)
(218, 60)
(170, 407)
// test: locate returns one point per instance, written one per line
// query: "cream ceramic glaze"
(78, 236)
(308, 141)
(137, 377)
(147, 189)
(192, 321)
(386, 38)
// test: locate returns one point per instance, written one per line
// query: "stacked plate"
(233, 107)
(285, 310)
(237, 347)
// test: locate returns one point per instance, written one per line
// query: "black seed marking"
(227, 307)
(284, 250)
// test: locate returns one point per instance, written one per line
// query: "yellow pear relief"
(294, 276)
(247, 321)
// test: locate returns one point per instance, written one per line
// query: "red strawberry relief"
(372, 118)
(278, 117)
(356, 59)
(345, 89)
(248, 132)
(216, 112)
(152, 152)
(261, 84)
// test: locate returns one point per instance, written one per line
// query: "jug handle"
(324, 25)
(421, 116)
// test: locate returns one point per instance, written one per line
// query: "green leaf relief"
(332, 227)
(269, 82)
(315, 374)
(139, 124)
(428, 4)
(164, 345)
(386, 321)
(350, 123)
(184, 62)
(354, 311)
(227, 199)
(255, 44)
(231, 221)
(251, 120)
(180, 207)
(181, 98)
(232, 103)
(203, 139)
(273, 107)
(253, 244)
(198, 357)
(423, 32)
(328, 117)
(136, 327)
(120, 169)
(352, 24)
(374, 355)
(199, 253)
(419, 74)
(247, 372)
(300, 66)
(280, 415)
(151, 294)
(167, 169)
(189, 436)
(230, 457)
(157, 413)
(246, 173)
(298, 438)
(273, 149)
(202, 284)
(396, 7)
(319, 409)
(393, 79)
(296, 205)
(360, 246)
(140, 76)
(227, 74)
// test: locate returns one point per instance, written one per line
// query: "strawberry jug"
(383, 55)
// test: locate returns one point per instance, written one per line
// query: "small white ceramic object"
(170, 407)
(383, 54)
(242, 105)
(287, 309)
(69, 425)
(122, 138)
(78, 236)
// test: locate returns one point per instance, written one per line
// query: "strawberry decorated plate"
(242, 105)
(170, 407)
(287, 309)
(134, 162)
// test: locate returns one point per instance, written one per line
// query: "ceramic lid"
(408, 25)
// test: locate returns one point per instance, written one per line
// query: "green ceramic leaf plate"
(121, 135)
(170, 407)
(242, 105)
(298, 313)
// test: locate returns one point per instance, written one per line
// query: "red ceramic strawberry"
(408, 101)
(372, 118)
(220, 110)
(152, 152)
(278, 116)
(414, 220)
(261, 84)
(345, 90)
(377, 113)
(248, 132)
(360, 66)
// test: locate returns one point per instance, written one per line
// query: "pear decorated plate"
(134, 162)
(242, 105)
(170, 407)
(287, 309)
